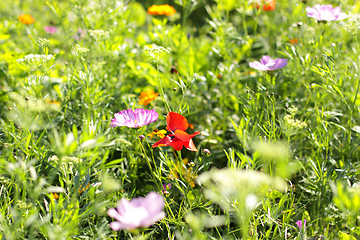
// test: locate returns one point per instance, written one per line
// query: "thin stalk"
(145, 156)
(161, 89)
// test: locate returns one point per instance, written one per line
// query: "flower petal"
(176, 121)
(134, 118)
(163, 142)
(183, 136)
(190, 145)
(153, 203)
(265, 60)
(258, 66)
(177, 144)
(116, 226)
(112, 213)
(325, 13)
(280, 63)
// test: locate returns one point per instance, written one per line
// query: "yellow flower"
(159, 10)
(159, 133)
(147, 96)
(26, 19)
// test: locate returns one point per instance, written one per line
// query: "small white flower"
(31, 58)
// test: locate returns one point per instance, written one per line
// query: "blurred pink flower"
(300, 224)
(325, 13)
(138, 212)
(50, 29)
(134, 118)
(268, 64)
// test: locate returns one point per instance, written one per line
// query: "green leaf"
(344, 236)
(226, 5)
(135, 13)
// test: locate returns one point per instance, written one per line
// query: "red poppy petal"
(177, 144)
(183, 136)
(176, 121)
(190, 145)
(166, 141)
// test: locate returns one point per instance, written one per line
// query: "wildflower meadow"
(184, 119)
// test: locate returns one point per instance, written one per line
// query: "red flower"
(177, 125)
(267, 5)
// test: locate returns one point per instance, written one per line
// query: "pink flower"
(134, 118)
(300, 224)
(50, 29)
(138, 212)
(325, 13)
(268, 64)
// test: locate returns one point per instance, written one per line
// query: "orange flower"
(267, 5)
(26, 19)
(82, 188)
(53, 102)
(160, 10)
(294, 41)
(147, 96)
(55, 196)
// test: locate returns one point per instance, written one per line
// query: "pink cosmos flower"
(50, 29)
(300, 224)
(134, 118)
(138, 212)
(268, 64)
(325, 13)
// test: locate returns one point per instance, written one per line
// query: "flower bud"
(206, 152)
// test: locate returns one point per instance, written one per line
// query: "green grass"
(287, 141)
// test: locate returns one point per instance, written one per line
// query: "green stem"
(161, 89)
(145, 155)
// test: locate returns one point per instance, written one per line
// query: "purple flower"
(325, 13)
(268, 64)
(300, 224)
(138, 212)
(134, 118)
(50, 29)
